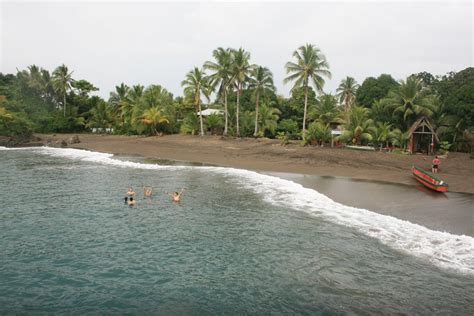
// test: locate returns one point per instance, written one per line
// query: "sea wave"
(440, 248)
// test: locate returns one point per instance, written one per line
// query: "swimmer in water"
(125, 200)
(147, 191)
(176, 196)
(131, 202)
(130, 192)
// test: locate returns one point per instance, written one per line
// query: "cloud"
(158, 42)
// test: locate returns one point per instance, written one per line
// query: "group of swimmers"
(147, 193)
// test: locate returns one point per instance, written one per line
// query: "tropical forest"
(376, 112)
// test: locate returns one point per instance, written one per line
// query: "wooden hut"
(422, 137)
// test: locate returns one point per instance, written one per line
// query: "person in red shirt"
(436, 163)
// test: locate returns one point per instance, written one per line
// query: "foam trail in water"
(441, 248)
(101, 158)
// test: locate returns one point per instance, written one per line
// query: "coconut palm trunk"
(200, 118)
(226, 113)
(237, 116)
(305, 110)
(64, 98)
(255, 133)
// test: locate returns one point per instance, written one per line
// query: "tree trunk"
(237, 110)
(225, 113)
(305, 108)
(255, 133)
(64, 103)
(200, 118)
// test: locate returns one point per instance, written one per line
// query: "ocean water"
(240, 242)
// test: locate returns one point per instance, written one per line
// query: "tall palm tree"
(196, 83)
(261, 80)
(241, 69)
(62, 80)
(310, 68)
(346, 91)
(221, 76)
(411, 99)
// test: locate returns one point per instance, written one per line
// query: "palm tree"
(326, 110)
(310, 68)
(411, 99)
(319, 132)
(100, 116)
(358, 126)
(196, 83)
(381, 133)
(153, 117)
(121, 103)
(220, 78)
(268, 118)
(62, 80)
(240, 74)
(399, 138)
(261, 80)
(346, 91)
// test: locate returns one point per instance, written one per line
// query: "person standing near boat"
(436, 162)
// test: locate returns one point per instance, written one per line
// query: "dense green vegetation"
(376, 112)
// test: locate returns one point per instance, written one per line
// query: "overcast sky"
(109, 42)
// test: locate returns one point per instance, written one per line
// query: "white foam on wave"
(16, 148)
(101, 158)
(440, 248)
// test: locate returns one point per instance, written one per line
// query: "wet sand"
(268, 155)
(451, 212)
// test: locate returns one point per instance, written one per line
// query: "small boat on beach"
(428, 180)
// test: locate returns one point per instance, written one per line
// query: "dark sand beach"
(349, 177)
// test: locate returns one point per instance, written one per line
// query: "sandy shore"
(269, 155)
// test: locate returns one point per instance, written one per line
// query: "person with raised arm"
(176, 196)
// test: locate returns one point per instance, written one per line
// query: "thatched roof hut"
(422, 136)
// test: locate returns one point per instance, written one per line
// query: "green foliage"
(13, 124)
(214, 122)
(347, 92)
(399, 138)
(34, 100)
(444, 146)
(326, 110)
(310, 68)
(288, 127)
(358, 126)
(190, 124)
(318, 133)
(411, 101)
(381, 133)
(373, 89)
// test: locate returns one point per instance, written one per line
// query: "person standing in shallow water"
(131, 202)
(176, 196)
(436, 162)
(147, 192)
(130, 192)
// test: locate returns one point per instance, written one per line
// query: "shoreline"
(267, 155)
(356, 187)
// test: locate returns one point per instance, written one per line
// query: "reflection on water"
(452, 212)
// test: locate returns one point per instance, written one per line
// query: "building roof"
(208, 112)
(422, 122)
